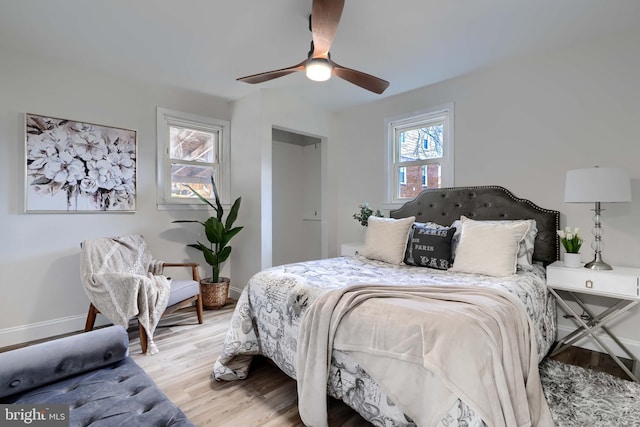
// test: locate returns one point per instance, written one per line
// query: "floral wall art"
(79, 167)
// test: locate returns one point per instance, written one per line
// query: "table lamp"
(597, 185)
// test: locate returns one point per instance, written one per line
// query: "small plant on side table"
(365, 212)
(571, 241)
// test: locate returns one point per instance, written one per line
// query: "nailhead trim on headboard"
(444, 205)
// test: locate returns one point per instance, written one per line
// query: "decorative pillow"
(386, 239)
(489, 248)
(429, 246)
(430, 224)
(525, 248)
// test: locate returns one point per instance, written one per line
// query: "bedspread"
(268, 314)
(403, 337)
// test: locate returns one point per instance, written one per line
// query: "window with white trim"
(191, 150)
(420, 154)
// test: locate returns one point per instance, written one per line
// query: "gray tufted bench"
(93, 374)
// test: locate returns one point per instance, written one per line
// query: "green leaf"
(224, 254)
(218, 209)
(194, 245)
(211, 258)
(202, 198)
(228, 235)
(214, 230)
(233, 213)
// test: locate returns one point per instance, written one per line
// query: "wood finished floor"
(183, 367)
(267, 397)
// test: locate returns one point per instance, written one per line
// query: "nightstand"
(351, 249)
(620, 286)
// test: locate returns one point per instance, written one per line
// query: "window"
(191, 150)
(420, 154)
(403, 176)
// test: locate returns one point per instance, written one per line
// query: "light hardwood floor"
(182, 369)
(267, 397)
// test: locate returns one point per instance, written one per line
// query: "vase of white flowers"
(571, 241)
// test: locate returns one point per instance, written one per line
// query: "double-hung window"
(191, 150)
(420, 153)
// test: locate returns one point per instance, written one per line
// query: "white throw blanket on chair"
(123, 281)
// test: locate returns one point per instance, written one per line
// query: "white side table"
(351, 249)
(620, 285)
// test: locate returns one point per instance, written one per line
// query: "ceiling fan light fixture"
(318, 69)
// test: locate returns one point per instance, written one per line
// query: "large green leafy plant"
(218, 232)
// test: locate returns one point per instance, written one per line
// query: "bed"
(273, 307)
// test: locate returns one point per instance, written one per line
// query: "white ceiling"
(204, 45)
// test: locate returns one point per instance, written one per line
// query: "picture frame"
(79, 167)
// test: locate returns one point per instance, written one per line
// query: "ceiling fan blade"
(325, 17)
(270, 75)
(358, 78)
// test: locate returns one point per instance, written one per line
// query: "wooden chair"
(183, 294)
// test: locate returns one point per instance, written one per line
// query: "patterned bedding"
(268, 315)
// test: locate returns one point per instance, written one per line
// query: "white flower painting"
(79, 167)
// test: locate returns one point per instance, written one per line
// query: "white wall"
(311, 239)
(287, 214)
(248, 134)
(253, 120)
(40, 288)
(521, 125)
(298, 116)
(296, 202)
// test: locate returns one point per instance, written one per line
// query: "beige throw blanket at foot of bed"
(123, 281)
(427, 347)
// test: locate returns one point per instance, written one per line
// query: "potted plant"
(215, 289)
(365, 212)
(571, 241)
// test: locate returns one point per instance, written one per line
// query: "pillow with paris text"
(429, 246)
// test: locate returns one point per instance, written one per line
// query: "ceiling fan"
(324, 19)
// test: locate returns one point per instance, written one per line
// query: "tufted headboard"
(445, 205)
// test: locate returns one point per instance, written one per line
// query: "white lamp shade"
(607, 185)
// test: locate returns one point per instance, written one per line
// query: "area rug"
(583, 397)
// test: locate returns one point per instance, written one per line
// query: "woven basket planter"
(214, 295)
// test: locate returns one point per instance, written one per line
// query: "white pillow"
(386, 239)
(489, 248)
(525, 249)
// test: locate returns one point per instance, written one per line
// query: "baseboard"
(234, 292)
(50, 328)
(591, 344)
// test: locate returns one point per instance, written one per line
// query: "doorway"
(296, 193)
